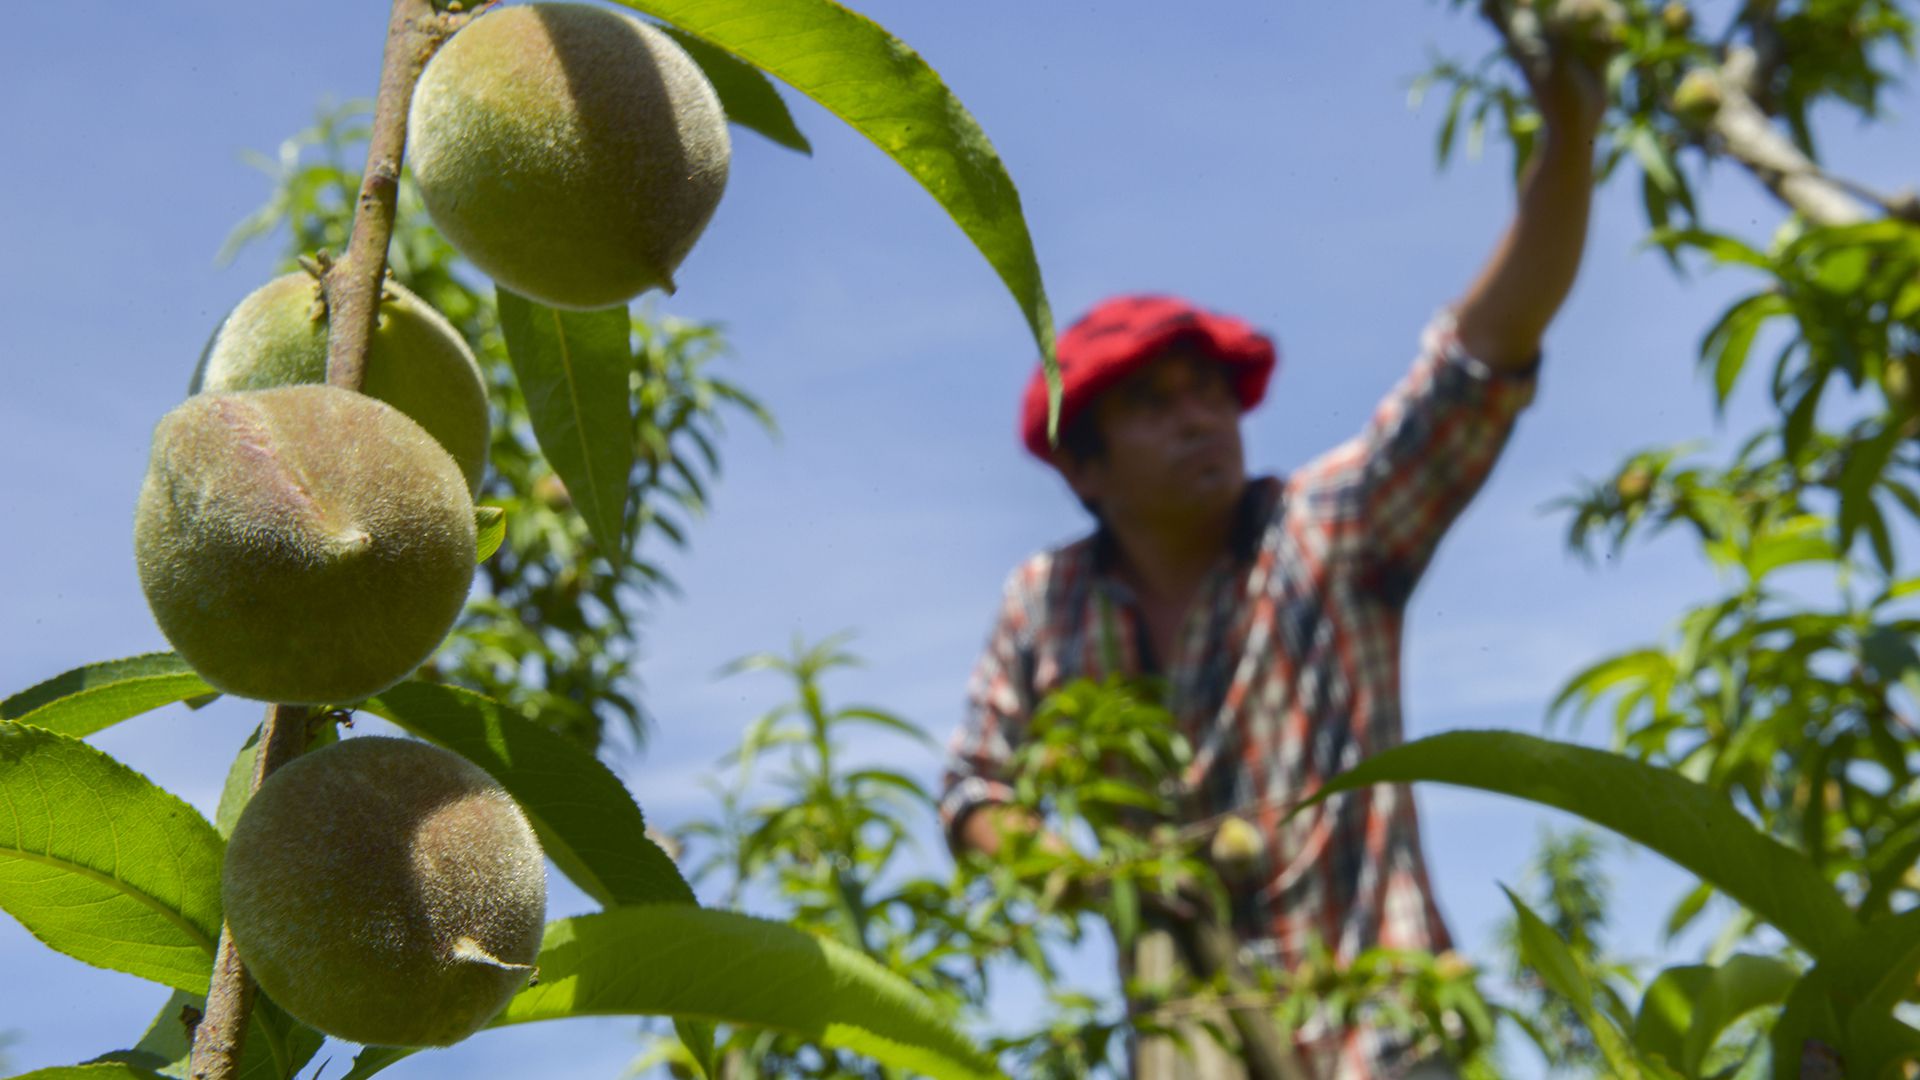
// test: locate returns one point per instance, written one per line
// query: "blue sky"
(1261, 158)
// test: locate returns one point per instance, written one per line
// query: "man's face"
(1172, 443)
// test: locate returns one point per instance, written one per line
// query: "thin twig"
(353, 287)
(353, 283)
(220, 1038)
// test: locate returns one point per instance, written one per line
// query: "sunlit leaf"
(1657, 808)
(746, 95)
(572, 367)
(1727, 344)
(490, 525)
(885, 91)
(100, 864)
(1801, 539)
(1588, 686)
(681, 961)
(1686, 1009)
(885, 720)
(1721, 247)
(1687, 910)
(91, 698)
(1546, 954)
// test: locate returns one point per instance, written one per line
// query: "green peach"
(302, 545)
(574, 154)
(418, 363)
(1698, 97)
(386, 892)
(1677, 18)
(1237, 850)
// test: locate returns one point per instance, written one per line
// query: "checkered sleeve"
(999, 702)
(1391, 491)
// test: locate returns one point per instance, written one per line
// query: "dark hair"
(1083, 442)
(1082, 439)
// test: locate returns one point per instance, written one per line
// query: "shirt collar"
(1253, 510)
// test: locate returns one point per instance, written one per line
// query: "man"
(1273, 608)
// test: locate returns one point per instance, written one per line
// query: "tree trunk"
(1219, 1043)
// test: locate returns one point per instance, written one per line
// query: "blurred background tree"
(837, 846)
(1793, 692)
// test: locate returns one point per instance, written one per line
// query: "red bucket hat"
(1122, 334)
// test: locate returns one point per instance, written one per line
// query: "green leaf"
(1124, 911)
(1889, 652)
(1654, 159)
(1543, 951)
(573, 367)
(375, 1058)
(1687, 910)
(1847, 1001)
(1865, 462)
(687, 962)
(1586, 687)
(1797, 540)
(277, 1045)
(490, 523)
(697, 1037)
(1687, 1008)
(587, 821)
(886, 92)
(892, 778)
(88, 699)
(1655, 807)
(1120, 793)
(1547, 955)
(238, 788)
(884, 720)
(1727, 344)
(1443, 145)
(1800, 417)
(677, 960)
(1899, 589)
(746, 95)
(98, 1071)
(100, 864)
(1721, 247)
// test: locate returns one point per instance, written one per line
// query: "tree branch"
(352, 288)
(353, 283)
(1748, 136)
(220, 1038)
(1266, 1051)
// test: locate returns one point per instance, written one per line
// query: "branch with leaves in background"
(1102, 762)
(1785, 706)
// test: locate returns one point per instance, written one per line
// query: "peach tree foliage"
(602, 422)
(1768, 744)
(819, 818)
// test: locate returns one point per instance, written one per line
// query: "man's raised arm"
(1505, 312)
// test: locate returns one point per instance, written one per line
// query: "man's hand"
(990, 826)
(1562, 48)
(1563, 51)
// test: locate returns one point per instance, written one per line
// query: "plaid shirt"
(1286, 670)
